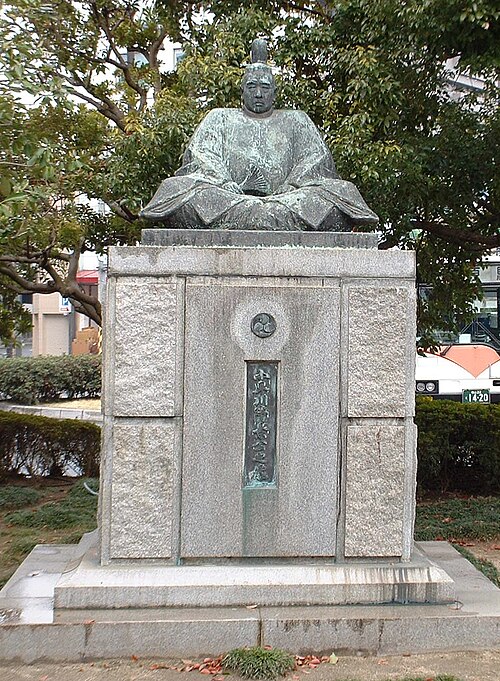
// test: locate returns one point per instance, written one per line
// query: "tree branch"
(122, 211)
(460, 237)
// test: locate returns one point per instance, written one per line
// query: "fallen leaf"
(496, 548)
(205, 671)
(134, 658)
(252, 607)
(267, 647)
(382, 662)
(89, 621)
(333, 659)
(315, 660)
(207, 660)
(187, 661)
(158, 666)
(44, 678)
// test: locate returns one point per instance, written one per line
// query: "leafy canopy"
(109, 121)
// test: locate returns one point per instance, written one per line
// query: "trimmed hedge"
(458, 447)
(37, 445)
(29, 380)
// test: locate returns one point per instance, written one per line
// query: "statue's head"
(258, 86)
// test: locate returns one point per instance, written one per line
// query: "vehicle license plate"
(476, 396)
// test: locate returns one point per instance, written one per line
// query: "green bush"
(29, 380)
(458, 447)
(36, 445)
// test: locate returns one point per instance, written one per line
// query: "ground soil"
(486, 550)
(469, 666)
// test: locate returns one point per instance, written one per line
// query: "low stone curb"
(54, 413)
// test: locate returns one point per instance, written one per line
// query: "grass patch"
(258, 663)
(12, 497)
(457, 519)
(78, 508)
(484, 566)
(61, 516)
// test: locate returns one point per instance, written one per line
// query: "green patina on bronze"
(258, 168)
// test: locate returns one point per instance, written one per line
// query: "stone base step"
(31, 630)
(148, 585)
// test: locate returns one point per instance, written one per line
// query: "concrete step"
(31, 631)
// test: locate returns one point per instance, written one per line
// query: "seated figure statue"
(258, 168)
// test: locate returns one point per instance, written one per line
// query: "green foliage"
(28, 380)
(457, 519)
(16, 497)
(79, 507)
(458, 446)
(36, 445)
(372, 76)
(258, 663)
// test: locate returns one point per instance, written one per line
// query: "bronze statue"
(258, 168)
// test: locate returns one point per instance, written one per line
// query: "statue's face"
(258, 92)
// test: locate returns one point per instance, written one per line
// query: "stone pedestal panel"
(295, 516)
(380, 350)
(374, 503)
(141, 518)
(144, 349)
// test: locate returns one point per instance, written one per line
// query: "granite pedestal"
(245, 464)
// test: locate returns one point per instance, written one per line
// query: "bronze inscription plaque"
(261, 418)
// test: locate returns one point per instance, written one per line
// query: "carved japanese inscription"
(261, 417)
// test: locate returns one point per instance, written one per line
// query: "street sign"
(64, 304)
(477, 396)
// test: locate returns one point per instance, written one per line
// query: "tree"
(371, 74)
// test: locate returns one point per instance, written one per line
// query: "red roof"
(87, 277)
(473, 358)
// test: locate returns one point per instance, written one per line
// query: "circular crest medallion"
(263, 325)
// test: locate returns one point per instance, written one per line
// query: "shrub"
(36, 445)
(29, 380)
(458, 446)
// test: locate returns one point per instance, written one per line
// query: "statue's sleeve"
(204, 159)
(313, 161)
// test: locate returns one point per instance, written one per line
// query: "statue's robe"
(279, 161)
